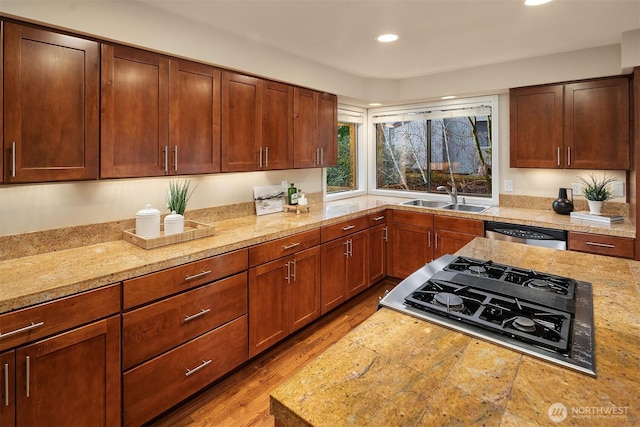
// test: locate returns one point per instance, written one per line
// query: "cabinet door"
(304, 288)
(334, 256)
(535, 118)
(357, 274)
(410, 249)
(268, 307)
(8, 389)
(241, 117)
(72, 378)
(305, 125)
(377, 253)
(51, 92)
(449, 242)
(277, 126)
(596, 124)
(328, 129)
(135, 112)
(194, 118)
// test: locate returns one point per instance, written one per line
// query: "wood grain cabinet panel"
(378, 236)
(315, 129)
(602, 245)
(410, 242)
(451, 234)
(135, 109)
(51, 100)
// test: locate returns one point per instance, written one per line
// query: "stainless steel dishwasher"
(528, 235)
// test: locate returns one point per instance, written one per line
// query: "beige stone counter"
(33, 279)
(396, 370)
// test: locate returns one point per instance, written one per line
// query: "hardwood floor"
(242, 398)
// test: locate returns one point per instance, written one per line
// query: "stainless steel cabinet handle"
(194, 370)
(569, 156)
(602, 245)
(386, 234)
(294, 270)
(266, 157)
(166, 159)
(348, 227)
(291, 246)
(28, 363)
(379, 218)
(288, 276)
(558, 156)
(260, 160)
(317, 156)
(322, 155)
(6, 384)
(351, 248)
(13, 159)
(175, 158)
(196, 276)
(429, 238)
(195, 316)
(25, 329)
(346, 248)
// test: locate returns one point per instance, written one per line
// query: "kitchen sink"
(465, 208)
(425, 203)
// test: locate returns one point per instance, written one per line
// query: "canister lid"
(148, 211)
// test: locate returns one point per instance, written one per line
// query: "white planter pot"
(595, 207)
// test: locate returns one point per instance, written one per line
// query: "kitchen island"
(395, 369)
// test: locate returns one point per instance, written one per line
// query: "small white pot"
(595, 206)
(173, 223)
(148, 222)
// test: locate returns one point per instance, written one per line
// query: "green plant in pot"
(597, 191)
(177, 197)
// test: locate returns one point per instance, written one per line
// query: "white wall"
(32, 207)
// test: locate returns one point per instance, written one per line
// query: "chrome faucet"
(453, 193)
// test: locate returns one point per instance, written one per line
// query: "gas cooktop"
(540, 314)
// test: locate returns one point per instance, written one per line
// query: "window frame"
(361, 156)
(453, 104)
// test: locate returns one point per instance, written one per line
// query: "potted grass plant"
(597, 191)
(178, 195)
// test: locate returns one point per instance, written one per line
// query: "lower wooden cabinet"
(451, 234)
(72, 378)
(410, 246)
(284, 295)
(157, 385)
(602, 245)
(378, 236)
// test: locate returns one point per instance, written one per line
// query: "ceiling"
(435, 35)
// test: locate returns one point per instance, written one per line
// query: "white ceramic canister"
(173, 223)
(148, 222)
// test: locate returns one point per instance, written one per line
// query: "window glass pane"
(343, 176)
(435, 149)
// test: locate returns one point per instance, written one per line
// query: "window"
(419, 148)
(348, 178)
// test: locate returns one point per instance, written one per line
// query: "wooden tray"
(296, 208)
(192, 230)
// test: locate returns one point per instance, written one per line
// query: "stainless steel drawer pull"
(260, 159)
(25, 329)
(194, 370)
(569, 156)
(13, 159)
(603, 245)
(28, 368)
(196, 276)
(291, 246)
(288, 276)
(294, 270)
(195, 316)
(348, 227)
(386, 235)
(175, 158)
(166, 159)
(6, 384)
(379, 218)
(558, 156)
(266, 157)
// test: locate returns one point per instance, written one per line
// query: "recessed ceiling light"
(535, 2)
(448, 97)
(374, 104)
(386, 38)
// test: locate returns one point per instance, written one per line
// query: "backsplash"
(544, 203)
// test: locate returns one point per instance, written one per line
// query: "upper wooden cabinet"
(135, 108)
(315, 129)
(582, 125)
(51, 92)
(257, 124)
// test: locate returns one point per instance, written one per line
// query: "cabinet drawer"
(413, 218)
(602, 245)
(168, 282)
(344, 228)
(158, 327)
(460, 225)
(270, 251)
(157, 385)
(28, 324)
(377, 218)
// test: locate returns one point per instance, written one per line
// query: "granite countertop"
(396, 370)
(39, 278)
